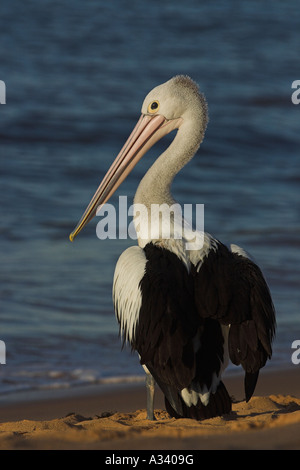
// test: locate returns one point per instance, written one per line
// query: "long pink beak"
(148, 130)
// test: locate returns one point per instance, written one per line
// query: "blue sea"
(76, 74)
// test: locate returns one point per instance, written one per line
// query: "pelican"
(185, 311)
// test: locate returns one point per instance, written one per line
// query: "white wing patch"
(127, 296)
(239, 251)
(194, 392)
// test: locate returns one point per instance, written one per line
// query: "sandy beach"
(115, 419)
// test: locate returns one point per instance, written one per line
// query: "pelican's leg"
(150, 388)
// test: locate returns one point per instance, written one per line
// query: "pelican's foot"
(151, 417)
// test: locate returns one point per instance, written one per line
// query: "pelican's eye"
(153, 107)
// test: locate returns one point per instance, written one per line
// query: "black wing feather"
(231, 288)
(168, 320)
(179, 347)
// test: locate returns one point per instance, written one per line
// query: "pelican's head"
(167, 107)
(177, 98)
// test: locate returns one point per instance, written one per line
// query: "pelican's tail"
(219, 404)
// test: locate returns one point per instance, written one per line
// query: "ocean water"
(76, 75)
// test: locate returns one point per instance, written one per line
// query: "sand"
(115, 419)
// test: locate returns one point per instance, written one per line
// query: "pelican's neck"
(155, 190)
(155, 187)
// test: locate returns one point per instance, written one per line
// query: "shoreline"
(45, 404)
(113, 417)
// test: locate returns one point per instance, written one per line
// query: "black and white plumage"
(186, 312)
(185, 323)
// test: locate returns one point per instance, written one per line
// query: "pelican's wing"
(230, 288)
(154, 305)
(127, 296)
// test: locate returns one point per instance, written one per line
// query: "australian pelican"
(185, 311)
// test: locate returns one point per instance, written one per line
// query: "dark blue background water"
(76, 74)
